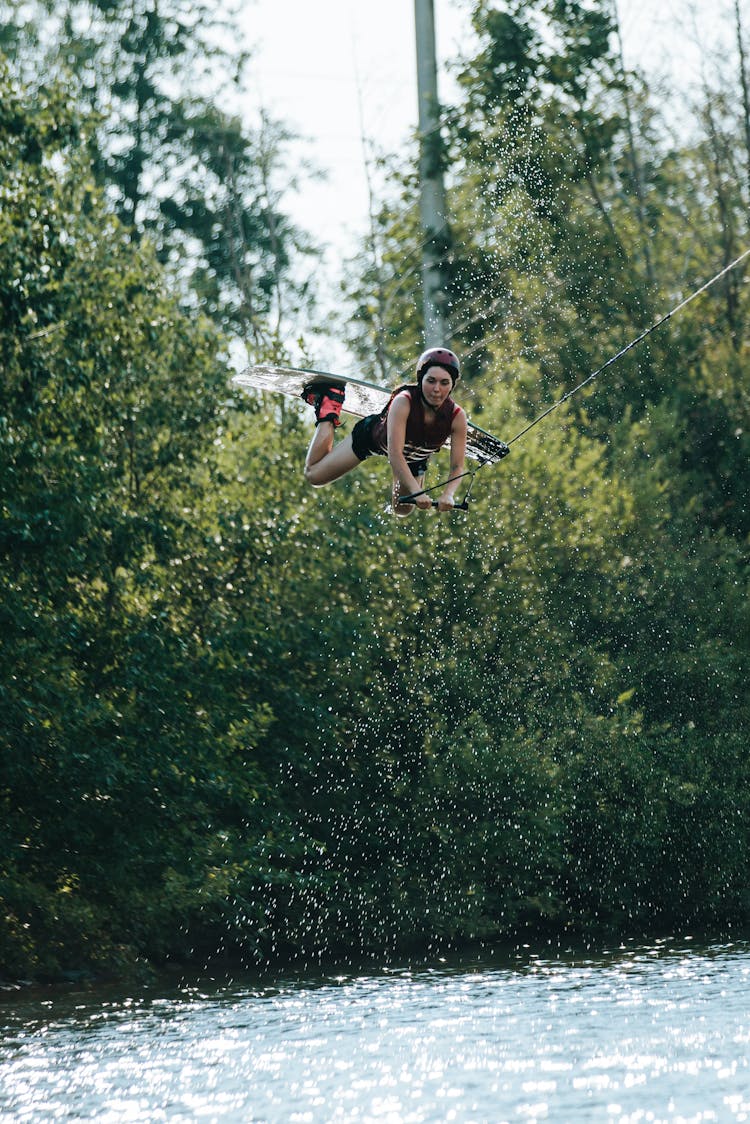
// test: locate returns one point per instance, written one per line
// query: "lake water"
(646, 1034)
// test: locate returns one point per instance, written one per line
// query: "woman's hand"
(446, 502)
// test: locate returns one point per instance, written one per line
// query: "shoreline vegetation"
(595, 946)
(243, 719)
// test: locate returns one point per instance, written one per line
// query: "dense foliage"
(161, 85)
(237, 716)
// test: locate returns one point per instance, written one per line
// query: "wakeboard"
(362, 398)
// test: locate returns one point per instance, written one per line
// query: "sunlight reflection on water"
(649, 1035)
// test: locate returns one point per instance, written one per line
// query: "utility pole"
(435, 232)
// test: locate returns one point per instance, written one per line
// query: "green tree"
(117, 758)
(171, 149)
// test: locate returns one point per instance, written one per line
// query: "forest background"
(240, 717)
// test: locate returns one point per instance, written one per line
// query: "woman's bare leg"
(398, 508)
(325, 461)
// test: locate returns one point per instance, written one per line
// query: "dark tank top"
(420, 441)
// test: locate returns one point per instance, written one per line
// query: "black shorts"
(363, 447)
(362, 438)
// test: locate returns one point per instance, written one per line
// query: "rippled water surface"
(648, 1034)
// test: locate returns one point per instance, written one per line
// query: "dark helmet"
(439, 357)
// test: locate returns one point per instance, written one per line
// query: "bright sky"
(335, 70)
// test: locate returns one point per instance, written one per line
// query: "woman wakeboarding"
(417, 421)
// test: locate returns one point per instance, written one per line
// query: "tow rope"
(464, 505)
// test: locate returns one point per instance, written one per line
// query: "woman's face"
(436, 386)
